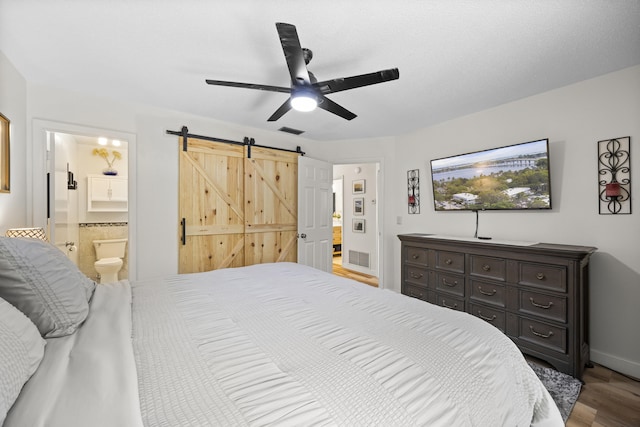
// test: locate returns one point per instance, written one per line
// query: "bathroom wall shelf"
(107, 194)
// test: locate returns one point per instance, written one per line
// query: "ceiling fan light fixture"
(304, 100)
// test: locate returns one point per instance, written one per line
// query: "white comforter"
(284, 344)
(87, 379)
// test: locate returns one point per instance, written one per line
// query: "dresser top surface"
(512, 245)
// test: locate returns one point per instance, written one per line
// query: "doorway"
(66, 160)
(356, 219)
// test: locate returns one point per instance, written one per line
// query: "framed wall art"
(413, 187)
(5, 158)
(614, 176)
(358, 205)
(358, 186)
(358, 225)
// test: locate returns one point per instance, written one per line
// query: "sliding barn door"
(270, 206)
(211, 206)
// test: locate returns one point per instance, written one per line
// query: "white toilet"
(109, 254)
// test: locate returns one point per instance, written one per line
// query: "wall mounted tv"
(514, 177)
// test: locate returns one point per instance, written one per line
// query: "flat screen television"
(514, 177)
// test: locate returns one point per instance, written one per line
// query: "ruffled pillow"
(21, 351)
(39, 280)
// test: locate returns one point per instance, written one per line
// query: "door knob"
(304, 236)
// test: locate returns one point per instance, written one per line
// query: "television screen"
(511, 177)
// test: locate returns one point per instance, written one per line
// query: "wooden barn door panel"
(211, 205)
(271, 206)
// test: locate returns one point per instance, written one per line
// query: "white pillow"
(39, 280)
(21, 350)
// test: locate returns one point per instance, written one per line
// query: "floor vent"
(359, 258)
(291, 130)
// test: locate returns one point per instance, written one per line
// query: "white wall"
(366, 242)
(13, 105)
(574, 118)
(153, 215)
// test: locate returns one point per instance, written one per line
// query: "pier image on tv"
(511, 177)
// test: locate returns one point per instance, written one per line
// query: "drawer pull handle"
(535, 304)
(451, 285)
(486, 267)
(491, 293)
(448, 261)
(416, 276)
(540, 276)
(415, 256)
(538, 334)
(444, 304)
(488, 319)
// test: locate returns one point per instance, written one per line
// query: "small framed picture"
(358, 225)
(358, 205)
(358, 186)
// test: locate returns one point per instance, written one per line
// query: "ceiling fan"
(306, 93)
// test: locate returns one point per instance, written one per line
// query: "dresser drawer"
(450, 283)
(490, 315)
(450, 261)
(488, 267)
(417, 256)
(543, 276)
(416, 275)
(547, 306)
(490, 293)
(416, 292)
(543, 334)
(450, 302)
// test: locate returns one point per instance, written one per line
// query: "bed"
(270, 344)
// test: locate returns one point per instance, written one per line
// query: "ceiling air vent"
(290, 130)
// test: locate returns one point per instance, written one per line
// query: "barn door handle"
(184, 231)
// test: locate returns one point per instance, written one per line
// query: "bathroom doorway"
(86, 193)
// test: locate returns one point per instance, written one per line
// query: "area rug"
(563, 388)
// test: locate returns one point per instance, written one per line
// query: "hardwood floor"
(607, 398)
(338, 270)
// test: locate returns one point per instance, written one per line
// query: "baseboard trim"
(618, 364)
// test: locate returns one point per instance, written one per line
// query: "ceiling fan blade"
(249, 86)
(337, 85)
(280, 111)
(332, 107)
(293, 53)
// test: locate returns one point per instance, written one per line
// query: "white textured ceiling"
(455, 57)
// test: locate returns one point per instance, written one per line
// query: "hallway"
(338, 270)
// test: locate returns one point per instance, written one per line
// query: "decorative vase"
(110, 171)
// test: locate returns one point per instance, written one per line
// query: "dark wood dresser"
(537, 294)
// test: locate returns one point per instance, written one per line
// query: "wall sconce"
(614, 169)
(413, 187)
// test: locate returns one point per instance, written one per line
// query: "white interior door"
(315, 205)
(63, 221)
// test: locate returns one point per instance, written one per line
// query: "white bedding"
(88, 378)
(284, 344)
